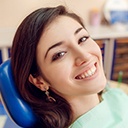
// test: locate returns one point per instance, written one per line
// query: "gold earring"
(50, 99)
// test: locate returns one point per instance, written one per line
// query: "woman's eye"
(83, 39)
(58, 56)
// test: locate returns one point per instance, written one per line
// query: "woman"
(58, 70)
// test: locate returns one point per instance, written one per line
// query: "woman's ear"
(38, 82)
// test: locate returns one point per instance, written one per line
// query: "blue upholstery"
(16, 107)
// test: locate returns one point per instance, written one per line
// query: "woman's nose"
(82, 56)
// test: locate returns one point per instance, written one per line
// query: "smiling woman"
(58, 70)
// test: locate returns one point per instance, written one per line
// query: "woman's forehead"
(60, 23)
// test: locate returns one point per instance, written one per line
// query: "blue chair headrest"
(16, 107)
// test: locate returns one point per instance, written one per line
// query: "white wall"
(12, 12)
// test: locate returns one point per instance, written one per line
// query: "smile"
(87, 73)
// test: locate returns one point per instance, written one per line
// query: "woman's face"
(70, 60)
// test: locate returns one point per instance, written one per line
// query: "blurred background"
(12, 12)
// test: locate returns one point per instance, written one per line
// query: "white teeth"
(83, 76)
(93, 69)
(88, 73)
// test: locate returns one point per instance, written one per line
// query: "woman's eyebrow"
(78, 30)
(60, 43)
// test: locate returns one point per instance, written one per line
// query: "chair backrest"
(19, 111)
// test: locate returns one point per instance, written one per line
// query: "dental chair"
(17, 109)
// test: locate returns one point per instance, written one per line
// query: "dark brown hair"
(23, 61)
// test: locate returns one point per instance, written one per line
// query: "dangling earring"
(50, 99)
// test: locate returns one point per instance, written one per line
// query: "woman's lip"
(85, 72)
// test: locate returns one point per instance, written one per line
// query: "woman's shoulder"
(115, 92)
(115, 96)
(114, 104)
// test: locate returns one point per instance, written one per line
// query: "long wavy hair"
(23, 61)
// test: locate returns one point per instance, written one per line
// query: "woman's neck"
(82, 105)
